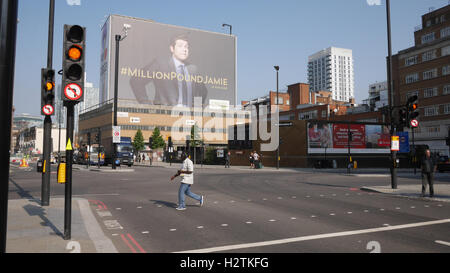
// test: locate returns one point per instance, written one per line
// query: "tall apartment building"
(331, 69)
(424, 70)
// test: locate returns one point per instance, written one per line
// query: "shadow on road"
(164, 203)
(33, 210)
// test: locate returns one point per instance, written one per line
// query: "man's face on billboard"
(180, 50)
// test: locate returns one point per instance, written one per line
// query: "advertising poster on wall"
(331, 138)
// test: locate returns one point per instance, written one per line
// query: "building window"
(429, 55)
(430, 92)
(445, 32)
(446, 90)
(445, 51)
(411, 61)
(446, 108)
(446, 70)
(431, 111)
(429, 74)
(433, 129)
(412, 78)
(324, 114)
(428, 38)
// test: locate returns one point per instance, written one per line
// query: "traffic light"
(412, 108)
(402, 117)
(170, 144)
(47, 92)
(74, 47)
(150, 142)
(97, 138)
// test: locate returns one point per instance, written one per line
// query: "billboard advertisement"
(169, 65)
(326, 137)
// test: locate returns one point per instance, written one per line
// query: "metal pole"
(8, 32)
(348, 147)
(45, 187)
(68, 184)
(278, 110)
(391, 97)
(116, 93)
(414, 149)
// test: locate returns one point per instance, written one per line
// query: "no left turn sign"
(48, 109)
(73, 91)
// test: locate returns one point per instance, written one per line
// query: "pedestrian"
(227, 160)
(428, 169)
(251, 161)
(187, 174)
(256, 160)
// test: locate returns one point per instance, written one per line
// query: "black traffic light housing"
(170, 143)
(74, 52)
(97, 138)
(47, 92)
(412, 108)
(402, 117)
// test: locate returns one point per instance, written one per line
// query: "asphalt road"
(262, 211)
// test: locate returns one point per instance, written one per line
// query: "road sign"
(414, 123)
(116, 134)
(190, 122)
(69, 145)
(395, 143)
(48, 109)
(73, 91)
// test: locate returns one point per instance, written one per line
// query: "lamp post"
(119, 38)
(227, 25)
(393, 166)
(278, 148)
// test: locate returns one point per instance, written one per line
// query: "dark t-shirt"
(427, 165)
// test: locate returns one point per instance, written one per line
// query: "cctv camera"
(126, 26)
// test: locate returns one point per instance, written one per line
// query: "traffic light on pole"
(412, 108)
(97, 138)
(47, 92)
(170, 144)
(74, 51)
(402, 117)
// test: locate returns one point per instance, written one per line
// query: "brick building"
(424, 70)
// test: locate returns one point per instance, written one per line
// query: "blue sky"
(269, 32)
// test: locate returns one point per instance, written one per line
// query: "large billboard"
(168, 65)
(326, 137)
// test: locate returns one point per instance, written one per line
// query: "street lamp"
(278, 148)
(119, 38)
(227, 25)
(391, 97)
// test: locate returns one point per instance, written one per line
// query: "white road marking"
(115, 234)
(145, 232)
(397, 208)
(382, 209)
(104, 213)
(293, 197)
(442, 243)
(349, 212)
(321, 195)
(172, 229)
(333, 194)
(315, 237)
(386, 225)
(413, 207)
(265, 199)
(118, 208)
(248, 222)
(112, 224)
(200, 227)
(332, 214)
(440, 205)
(215, 202)
(308, 196)
(139, 207)
(232, 201)
(366, 210)
(313, 216)
(279, 198)
(426, 206)
(293, 218)
(272, 220)
(224, 225)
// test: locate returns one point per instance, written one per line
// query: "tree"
(138, 141)
(158, 141)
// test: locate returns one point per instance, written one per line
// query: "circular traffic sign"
(414, 123)
(48, 109)
(73, 91)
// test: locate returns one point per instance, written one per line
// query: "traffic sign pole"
(69, 160)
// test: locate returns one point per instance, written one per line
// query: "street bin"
(40, 166)
(355, 164)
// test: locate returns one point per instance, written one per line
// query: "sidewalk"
(36, 229)
(441, 191)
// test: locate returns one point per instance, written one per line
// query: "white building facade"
(331, 69)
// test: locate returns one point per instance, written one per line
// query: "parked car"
(443, 164)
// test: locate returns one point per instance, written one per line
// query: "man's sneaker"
(202, 201)
(180, 208)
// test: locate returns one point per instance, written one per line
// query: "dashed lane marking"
(315, 237)
(442, 243)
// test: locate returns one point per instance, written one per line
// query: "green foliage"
(158, 141)
(138, 141)
(210, 156)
